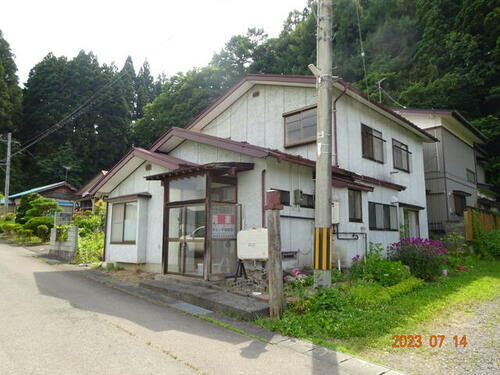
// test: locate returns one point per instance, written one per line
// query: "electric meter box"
(252, 244)
(335, 212)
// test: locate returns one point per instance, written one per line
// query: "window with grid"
(355, 210)
(372, 144)
(401, 156)
(471, 176)
(300, 127)
(382, 216)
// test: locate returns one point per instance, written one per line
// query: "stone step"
(212, 299)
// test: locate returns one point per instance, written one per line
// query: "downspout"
(263, 197)
(334, 110)
(105, 232)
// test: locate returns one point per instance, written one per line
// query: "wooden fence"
(475, 220)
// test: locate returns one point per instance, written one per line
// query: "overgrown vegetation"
(363, 314)
(90, 234)
(425, 258)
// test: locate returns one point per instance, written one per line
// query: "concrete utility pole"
(7, 176)
(277, 301)
(323, 205)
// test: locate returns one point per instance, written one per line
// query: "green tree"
(10, 93)
(145, 89)
(42, 206)
(24, 206)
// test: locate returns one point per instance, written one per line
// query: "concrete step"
(212, 299)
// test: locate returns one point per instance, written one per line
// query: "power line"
(357, 5)
(82, 108)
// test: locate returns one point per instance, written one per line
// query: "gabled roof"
(140, 154)
(446, 112)
(175, 136)
(84, 189)
(240, 88)
(43, 188)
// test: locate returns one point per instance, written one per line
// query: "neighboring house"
(176, 207)
(454, 167)
(10, 205)
(85, 200)
(62, 192)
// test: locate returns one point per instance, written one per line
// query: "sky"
(173, 36)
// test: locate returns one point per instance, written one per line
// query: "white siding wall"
(150, 219)
(258, 120)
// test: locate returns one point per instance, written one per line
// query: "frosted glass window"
(117, 222)
(300, 127)
(130, 222)
(124, 222)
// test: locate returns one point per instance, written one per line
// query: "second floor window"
(401, 156)
(372, 144)
(300, 127)
(471, 176)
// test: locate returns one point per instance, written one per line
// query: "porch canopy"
(230, 168)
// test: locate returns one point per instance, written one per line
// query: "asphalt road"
(55, 321)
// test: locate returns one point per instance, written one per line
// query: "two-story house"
(454, 167)
(177, 206)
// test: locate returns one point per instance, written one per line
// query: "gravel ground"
(481, 356)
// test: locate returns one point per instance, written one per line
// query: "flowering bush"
(425, 257)
(377, 268)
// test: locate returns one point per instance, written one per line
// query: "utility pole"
(323, 204)
(7, 176)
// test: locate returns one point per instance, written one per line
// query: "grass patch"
(352, 327)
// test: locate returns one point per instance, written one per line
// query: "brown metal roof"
(164, 160)
(261, 152)
(224, 167)
(291, 79)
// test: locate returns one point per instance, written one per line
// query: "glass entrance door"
(186, 240)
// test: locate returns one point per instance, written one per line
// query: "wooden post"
(274, 267)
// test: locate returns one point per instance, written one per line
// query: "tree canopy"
(430, 53)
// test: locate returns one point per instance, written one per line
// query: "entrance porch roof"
(229, 168)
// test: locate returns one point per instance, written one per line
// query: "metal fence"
(62, 218)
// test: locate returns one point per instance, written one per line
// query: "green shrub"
(90, 248)
(10, 216)
(34, 222)
(62, 233)
(488, 243)
(379, 269)
(11, 228)
(25, 233)
(25, 205)
(369, 294)
(42, 231)
(405, 286)
(328, 299)
(426, 258)
(88, 223)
